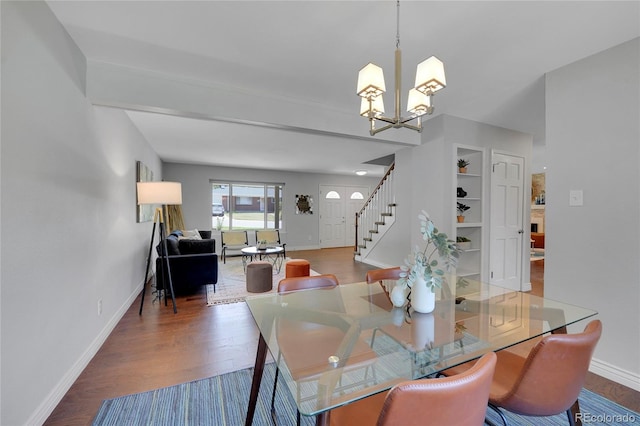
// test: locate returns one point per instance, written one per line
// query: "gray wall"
(300, 231)
(69, 233)
(424, 181)
(593, 252)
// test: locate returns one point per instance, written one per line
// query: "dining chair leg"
(572, 421)
(275, 384)
(500, 413)
(373, 336)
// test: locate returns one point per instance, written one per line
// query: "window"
(357, 196)
(332, 195)
(247, 205)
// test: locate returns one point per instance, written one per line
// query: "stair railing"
(374, 209)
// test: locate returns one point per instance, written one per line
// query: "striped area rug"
(223, 400)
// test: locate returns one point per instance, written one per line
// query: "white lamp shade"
(430, 75)
(159, 193)
(418, 103)
(377, 105)
(370, 81)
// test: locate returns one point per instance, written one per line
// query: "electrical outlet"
(99, 307)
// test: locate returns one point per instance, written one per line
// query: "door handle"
(521, 231)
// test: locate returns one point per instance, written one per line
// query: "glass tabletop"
(335, 346)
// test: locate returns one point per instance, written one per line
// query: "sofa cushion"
(172, 246)
(187, 246)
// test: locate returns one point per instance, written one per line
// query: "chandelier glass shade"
(430, 78)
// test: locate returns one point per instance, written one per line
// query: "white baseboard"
(313, 247)
(526, 286)
(618, 375)
(47, 406)
(374, 263)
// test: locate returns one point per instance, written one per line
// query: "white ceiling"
(495, 53)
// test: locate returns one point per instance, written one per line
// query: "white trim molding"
(618, 375)
(40, 415)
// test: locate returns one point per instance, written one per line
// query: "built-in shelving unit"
(470, 263)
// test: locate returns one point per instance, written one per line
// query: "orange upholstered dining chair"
(457, 400)
(305, 344)
(546, 382)
(378, 275)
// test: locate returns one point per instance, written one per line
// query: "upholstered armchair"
(272, 237)
(233, 240)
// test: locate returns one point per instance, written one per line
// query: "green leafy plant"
(462, 208)
(462, 163)
(439, 254)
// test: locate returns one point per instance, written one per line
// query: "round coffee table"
(273, 254)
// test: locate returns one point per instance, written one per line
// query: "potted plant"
(424, 270)
(462, 165)
(461, 209)
(463, 243)
(262, 245)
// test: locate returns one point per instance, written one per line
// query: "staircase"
(376, 216)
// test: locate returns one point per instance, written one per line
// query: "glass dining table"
(336, 346)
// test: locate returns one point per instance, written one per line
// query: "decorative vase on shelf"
(423, 299)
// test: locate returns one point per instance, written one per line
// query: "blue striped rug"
(222, 400)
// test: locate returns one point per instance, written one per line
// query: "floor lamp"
(159, 193)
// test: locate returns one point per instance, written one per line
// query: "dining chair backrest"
(378, 275)
(330, 304)
(459, 400)
(271, 236)
(552, 375)
(234, 238)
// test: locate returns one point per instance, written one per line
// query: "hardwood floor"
(161, 349)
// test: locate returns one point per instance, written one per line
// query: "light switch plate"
(575, 197)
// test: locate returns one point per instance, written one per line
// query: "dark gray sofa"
(193, 263)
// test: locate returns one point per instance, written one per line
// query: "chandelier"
(429, 79)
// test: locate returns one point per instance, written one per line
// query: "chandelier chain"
(397, 24)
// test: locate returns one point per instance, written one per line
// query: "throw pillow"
(172, 246)
(191, 235)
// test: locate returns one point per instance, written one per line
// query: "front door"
(338, 206)
(507, 203)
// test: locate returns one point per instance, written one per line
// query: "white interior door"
(337, 206)
(507, 201)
